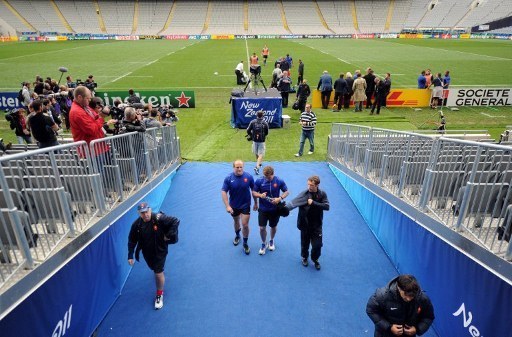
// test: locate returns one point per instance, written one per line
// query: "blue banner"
(243, 110)
(9, 100)
(468, 299)
(74, 301)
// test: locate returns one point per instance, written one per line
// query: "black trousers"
(346, 102)
(369, 95)
(338, 99)
(239, 77)
(284, 96)
(326, 95)
(307, 238)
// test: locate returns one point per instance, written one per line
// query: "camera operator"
(43, 127)
(90, 84)
(69, 82)
(18, 123)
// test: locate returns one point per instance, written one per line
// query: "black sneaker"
(305, 261)
(247, 250)
(256, 171)
(317, 265)
(236, 241)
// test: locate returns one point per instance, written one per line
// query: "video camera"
(167, 112)
(91, 85)
(11, 115)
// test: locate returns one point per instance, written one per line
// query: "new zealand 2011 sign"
(178, 99)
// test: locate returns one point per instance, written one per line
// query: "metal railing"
(465, 185)
(51, 195)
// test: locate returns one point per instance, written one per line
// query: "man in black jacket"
(151, 233)
(400, 309)
(312, 203)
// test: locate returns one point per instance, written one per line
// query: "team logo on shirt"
(275, 185)
(155, 228)
(245, 180)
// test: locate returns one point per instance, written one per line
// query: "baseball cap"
(143, 207)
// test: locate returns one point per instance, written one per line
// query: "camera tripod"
(255, 79)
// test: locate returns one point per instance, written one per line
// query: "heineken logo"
(178, 99)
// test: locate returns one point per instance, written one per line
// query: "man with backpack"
(258, 131)
(151, 233)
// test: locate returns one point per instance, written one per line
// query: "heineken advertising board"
(178, 99)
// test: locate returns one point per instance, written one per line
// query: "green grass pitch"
(205, 131)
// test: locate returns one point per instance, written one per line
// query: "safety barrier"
(50, 196)
(465, 185)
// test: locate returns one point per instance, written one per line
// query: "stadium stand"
(265, 18)
(253, 17)
(188, 18)
(81, 15)
(338, 16)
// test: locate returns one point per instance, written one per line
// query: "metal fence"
(50, 195)
(465, 185)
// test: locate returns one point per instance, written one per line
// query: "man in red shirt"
(85, 123)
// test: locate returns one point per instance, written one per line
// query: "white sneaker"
(297, 155)
(263, 248)
(159, 302)
(271, 246)
(310, 152)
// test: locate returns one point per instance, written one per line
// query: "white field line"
(491, 116)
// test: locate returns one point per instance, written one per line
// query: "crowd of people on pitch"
(438, 83)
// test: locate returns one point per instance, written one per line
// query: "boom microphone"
(62, 71)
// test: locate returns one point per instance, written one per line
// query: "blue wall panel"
(75, 299)
(468, 299)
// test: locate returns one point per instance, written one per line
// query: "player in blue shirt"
(269, 189)
(422, 80)
(239, 185)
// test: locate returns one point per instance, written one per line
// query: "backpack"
(258, 131)
(172, 234)
(20, 97)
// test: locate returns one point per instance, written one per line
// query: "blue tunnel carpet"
(214, 289)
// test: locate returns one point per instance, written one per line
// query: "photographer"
(18, 123)
(132, 121)
(97, 105)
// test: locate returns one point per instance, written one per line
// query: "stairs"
(321, 16)
(169, 18)
(61, 17)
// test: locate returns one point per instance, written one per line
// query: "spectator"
(413, 312)
(350, 92)
(258, 131)
(340, 89)
(380, 95)
(422, 80)
(284, 86)
(268, 189)
(285, 66)
(300, 72)
(359, 88)
(429, 78)
(289, 60)
(308, 122)
(370, 87)
(303, 93)
(151, 233)
(325, 86)
(39, 86)
(387, 88)
(276, 76)
(437, 92)
(42, 126)
(446, 84)
(239, 185)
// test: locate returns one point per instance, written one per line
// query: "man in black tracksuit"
(400, 309)
(151, 233)
(310, 219)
